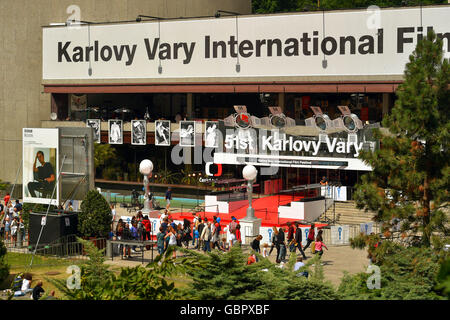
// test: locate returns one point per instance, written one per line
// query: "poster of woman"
(115, 132)
(211, 134)
(187, 133)
(162, 133)
(138, 132)
(95, 124)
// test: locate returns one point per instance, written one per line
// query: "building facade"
(199, 67)
(23, 100)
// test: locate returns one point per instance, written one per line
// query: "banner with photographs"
(115, 132)
(138, 132)
(211, 134)
(95, 124)
(162, 133)
(40, 165)
(187, 133)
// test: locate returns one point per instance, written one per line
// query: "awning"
(287, 87)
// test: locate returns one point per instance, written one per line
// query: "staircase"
(347, 213)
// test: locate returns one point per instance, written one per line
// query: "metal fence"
(354, 230)
(67, 247)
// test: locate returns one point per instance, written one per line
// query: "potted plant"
(94, 219)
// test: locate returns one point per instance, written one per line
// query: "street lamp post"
(250, 223)
(146, 168)
(249, 172)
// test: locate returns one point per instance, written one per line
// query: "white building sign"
(286, 45)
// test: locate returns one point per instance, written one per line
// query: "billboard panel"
(349, 42)
(40, 165)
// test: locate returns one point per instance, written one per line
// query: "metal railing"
(200, 208)
(15, 243)
(354, 230)
(67, 247)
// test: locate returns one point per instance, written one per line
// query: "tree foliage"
(227, 276)
(408, 187)
(443, 278)
(4, 267)
(95, 217)
(273, 6)
(406, 274)
(98, 282)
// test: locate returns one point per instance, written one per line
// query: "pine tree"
(95, 217)
(409, 184)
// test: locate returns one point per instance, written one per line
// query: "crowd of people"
(293, 241)
(12, 227)
(205, 234)
(202, 233)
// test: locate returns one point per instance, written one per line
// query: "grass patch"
(17, 260)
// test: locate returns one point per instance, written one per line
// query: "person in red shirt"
(6, 199)
(238, 234)
(311, 237)
(251, 259)
(146, 224)
(290, 237)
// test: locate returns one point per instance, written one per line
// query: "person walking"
(146, 230)
(200, 227)
(319, 244)
(256, 243)
(238, 235)
(206, 237)
(274, 240)
(311, 236)
(160, 240)
(298, 240)
(168, 197)
(172, 236)
(187, 233)
(195, 223)
(290, 237)
(232, 230)
(281, 244)
(216, 234)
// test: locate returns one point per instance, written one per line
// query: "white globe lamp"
(249, 173)
(146, 168)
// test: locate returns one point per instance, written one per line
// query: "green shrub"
(226, 276)
(406, 274)
(95, 217)
(4, 267)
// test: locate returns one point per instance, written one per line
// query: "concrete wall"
(22, 102)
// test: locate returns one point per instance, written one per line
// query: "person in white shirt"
(265, 252)
(299, 264)
(164, 215)
(26, 286)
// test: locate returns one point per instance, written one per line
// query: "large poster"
(211, 134)
(40, 165)
(138, 132)
(162, 133)
(115, 132)
(95, 124)
(187, 133)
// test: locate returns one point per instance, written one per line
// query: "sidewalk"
(336, 260)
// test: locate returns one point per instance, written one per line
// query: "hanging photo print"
(115, 132)
(138, 132)
(211, 134)
(187, 133)
(162, 133)
(95, 124)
